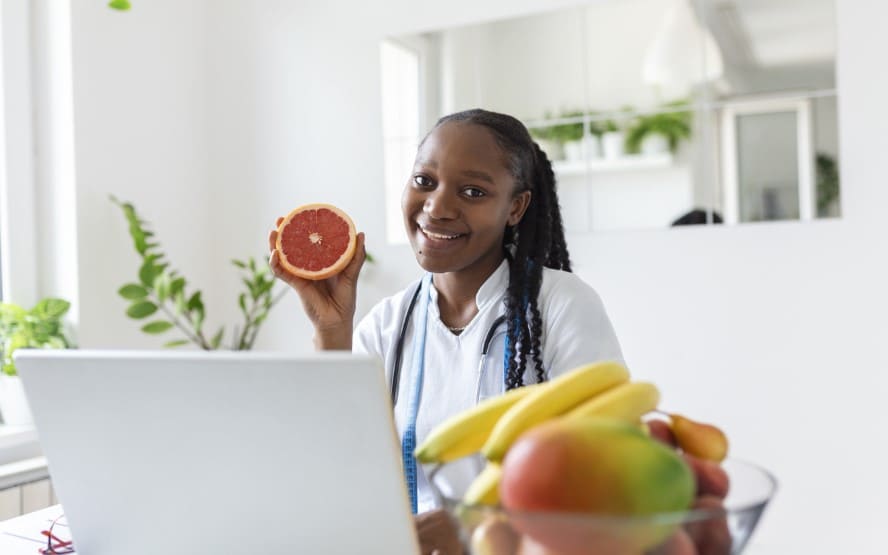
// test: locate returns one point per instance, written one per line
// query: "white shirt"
(576, 331)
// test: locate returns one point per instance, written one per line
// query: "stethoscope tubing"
(399, 349)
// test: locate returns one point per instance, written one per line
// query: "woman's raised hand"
(328, 303)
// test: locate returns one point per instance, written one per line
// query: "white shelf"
(635, 162)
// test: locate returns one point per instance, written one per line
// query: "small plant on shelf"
(673, 125)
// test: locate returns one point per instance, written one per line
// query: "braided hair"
(537, 241)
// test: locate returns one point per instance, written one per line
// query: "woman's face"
(459, 199)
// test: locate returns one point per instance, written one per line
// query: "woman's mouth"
(439, 239)
(440, 236)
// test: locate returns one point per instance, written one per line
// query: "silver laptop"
(220, 453)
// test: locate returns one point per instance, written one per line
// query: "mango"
(594, 465)
(701, 440)
(598, 468)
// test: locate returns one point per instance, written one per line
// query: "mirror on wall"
(654, 112)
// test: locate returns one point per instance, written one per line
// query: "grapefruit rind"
(329, 270)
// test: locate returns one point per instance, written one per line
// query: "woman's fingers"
(277, 222)
(661, 431)
(711, 536)
(272, 240)
(357, 262)
(712, 480)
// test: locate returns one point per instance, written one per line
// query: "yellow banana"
(465, 433)
(552, 399)
(484, 489)
(628, 402)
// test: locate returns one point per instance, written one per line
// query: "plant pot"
(573, 151)
(592, 147)
(586, 149)
(654, 144)
(14, 407)
(612, 143)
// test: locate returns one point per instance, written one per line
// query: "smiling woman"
(481, 212)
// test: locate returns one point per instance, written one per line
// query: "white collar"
(491, 291)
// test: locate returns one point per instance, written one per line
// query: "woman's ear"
(519, 206)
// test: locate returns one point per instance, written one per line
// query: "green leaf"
(141, 309)
(242, 302)
(181, 305)
(239, 264)
(265, 287)
(132, 291)
(162, 286)
(148, 272)
(198, 318)
(55, 342)
(19, 340)
(217, 339)
(51, 308)
(177, 286)
(158, 326)
(119, 5)
(251, 288)
(12, 312)
(176, 343)
(195, 303)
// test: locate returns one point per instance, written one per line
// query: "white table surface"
(21, 535)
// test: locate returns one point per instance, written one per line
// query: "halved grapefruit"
(316, 241)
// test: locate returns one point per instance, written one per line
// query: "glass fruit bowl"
(713, 527)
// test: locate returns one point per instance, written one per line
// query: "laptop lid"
(155, 452)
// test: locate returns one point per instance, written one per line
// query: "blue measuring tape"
(408, 442)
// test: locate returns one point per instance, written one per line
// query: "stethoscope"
(493, 332)
(408, 439)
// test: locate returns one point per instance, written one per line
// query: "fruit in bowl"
(711, 526)
(586, 464)
(593, 466)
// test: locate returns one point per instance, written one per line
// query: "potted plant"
(549, 138)
(612, 139)
(570, 134)
(657, 133)
(38, 328)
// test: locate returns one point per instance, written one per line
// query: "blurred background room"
(757, 120)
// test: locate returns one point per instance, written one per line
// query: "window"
(400, 126)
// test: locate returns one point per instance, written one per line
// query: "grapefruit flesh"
(316, 241)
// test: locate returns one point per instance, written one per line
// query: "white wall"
(775, 331)
(567, 60)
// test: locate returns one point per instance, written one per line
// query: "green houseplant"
(164, 295)
(38, 328)
(672, 126)
(41, 327)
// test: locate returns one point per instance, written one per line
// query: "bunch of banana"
(602, 389)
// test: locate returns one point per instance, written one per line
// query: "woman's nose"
(440, 205)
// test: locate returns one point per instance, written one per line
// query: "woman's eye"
(422, 181)
(474, 192)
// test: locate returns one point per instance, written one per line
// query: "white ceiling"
(773, 33)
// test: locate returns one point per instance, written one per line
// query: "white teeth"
(439, 236)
